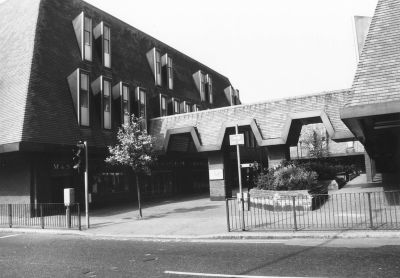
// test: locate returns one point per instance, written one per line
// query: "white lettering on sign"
(236, 139)
(216, 174)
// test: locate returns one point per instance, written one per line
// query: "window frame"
(163, 97)
(87, 30)
(170, 73)
(103, 97)
(79, 99)
(106, 41)
(128, 105)
(157, 67)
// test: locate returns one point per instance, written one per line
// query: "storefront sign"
(216, 174)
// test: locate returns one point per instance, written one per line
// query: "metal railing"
(40, 215)
(364, 210)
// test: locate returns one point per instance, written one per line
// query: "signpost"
(86, 184)
(238, 139)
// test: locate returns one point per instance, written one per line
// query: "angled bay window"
(154, 60)
(83, 31)
(195, 108)
(106, 46)
(175, 106)
(204, 86)
(106, 104)
(168, 74)
(78, 83)
(186, 107)
(84, 99)
(126, 104)
(141, 102)
(163, 106)
(102, 35)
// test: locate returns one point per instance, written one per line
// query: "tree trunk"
(138, 195)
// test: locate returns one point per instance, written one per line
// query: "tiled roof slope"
(49, 113)
(377, 77)
(17, 34)
(271, 117)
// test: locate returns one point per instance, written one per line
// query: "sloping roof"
(377, 78)
(271, 120)
(17, 34)
(36, 104)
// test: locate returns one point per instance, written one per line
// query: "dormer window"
(163, 106)
(102, 35)
(204, 85)
(83, 31)
(168, 71)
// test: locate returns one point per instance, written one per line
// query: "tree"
(314, 140)
(134, 149)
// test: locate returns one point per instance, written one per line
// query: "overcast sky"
(267, 48)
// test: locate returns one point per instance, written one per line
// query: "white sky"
(267, 48)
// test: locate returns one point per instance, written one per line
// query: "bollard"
(79, 218)
(68, 216)
(41, 216)
(227, 215)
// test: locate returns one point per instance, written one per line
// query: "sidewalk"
(188, 219)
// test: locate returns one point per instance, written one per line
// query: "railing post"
(227, 215)
(370, 210)
(41, 216)
(10, 215)
(294, 213)
(79, 218)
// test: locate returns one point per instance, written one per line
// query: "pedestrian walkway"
(196, 216)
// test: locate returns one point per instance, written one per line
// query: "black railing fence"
(40, 215)
(364, 210)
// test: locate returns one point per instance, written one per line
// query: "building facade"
(72, 72)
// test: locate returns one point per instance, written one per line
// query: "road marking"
(9, 236)
(226, 275)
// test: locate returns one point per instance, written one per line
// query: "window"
(125, 104)
(158, 67)
(163, 106)
(188, 107)
(107, 46)
(209, 89)
(175, 106)
(84, 99)
(106, 104)
(195, 108)
(203, 85)
(87, 38)
(170, 73)
(141, 101)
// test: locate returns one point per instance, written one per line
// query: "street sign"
(236, 139)
(247, 165)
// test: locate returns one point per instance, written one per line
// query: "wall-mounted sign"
(236, 139)
(216, 174)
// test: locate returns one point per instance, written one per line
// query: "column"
(218, 174)
(370, 169)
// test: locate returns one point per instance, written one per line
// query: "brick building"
(70, 72)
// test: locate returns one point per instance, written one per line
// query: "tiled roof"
(35, 101)
(377, 78)
(17, 34)
(272, 119)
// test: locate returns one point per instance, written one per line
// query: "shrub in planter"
(287, 177)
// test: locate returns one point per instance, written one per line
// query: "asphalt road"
(41, 255)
